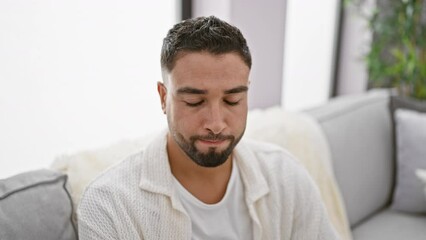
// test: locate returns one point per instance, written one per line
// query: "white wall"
(77, 75)
(218, 8)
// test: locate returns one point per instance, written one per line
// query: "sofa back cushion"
(36, 205)
(410, 136)
(359, 132)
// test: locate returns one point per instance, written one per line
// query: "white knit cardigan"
(136, 199)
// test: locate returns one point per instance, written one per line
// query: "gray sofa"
(360, 135)
(37, 205)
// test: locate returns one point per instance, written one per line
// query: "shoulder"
(277, 165)
(268, 154)
(125, 174)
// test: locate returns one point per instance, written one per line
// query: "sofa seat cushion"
(392, 225)
(36, 205)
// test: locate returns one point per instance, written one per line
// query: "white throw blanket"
(296, 132)
(83, 167)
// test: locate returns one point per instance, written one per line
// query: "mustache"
(212, 137)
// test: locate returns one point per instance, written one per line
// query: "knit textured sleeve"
(96, 216)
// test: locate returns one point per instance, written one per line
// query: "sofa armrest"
(36, 205)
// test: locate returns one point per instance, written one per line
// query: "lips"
(212, 142)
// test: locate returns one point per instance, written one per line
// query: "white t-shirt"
(227, 219)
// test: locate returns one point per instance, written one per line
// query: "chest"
(227, 219)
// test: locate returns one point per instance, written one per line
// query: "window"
(309, 52)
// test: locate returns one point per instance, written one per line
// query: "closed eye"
(196, 104)
(231, 103)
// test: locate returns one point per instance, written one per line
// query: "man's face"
(205, 99)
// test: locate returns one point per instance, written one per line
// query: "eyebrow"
(237, 90)
(190, 90)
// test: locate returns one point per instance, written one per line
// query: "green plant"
(397, 56)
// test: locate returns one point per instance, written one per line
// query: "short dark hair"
(203, 34)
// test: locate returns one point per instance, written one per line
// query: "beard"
(211, 158)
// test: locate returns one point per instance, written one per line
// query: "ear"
(162, 92)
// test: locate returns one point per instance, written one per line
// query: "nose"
(215, 119)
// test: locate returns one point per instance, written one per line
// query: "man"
(196, 181)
